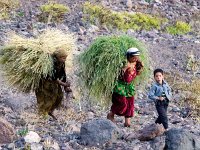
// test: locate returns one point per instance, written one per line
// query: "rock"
(158, 1)
(90, 115)
(7, 133)
(175, 119)
(158, 143)
(66, 146)
(20, 143)
(179, 139)
(32, 137)
(176, 109)
(144, 3)
(97, 132)
(74, 128)
(131, 137)
(11, 146)
(129, 4)
(151, 131)
(198, 42)
(93, 28)
(36, 146)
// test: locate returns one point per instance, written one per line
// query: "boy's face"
(159, 77)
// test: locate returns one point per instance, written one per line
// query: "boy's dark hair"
(158, 70)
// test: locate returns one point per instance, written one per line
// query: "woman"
(123, 92)
(49, 94)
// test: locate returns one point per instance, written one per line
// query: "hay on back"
(101, 63)
(27, 60)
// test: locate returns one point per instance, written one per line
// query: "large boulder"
(151, 131)
(179, 139)
(97, 132)
(7, 133)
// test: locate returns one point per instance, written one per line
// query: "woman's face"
(133, 59)
(62, 58)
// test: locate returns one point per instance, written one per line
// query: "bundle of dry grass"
(27, 60)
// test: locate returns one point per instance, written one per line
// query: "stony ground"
(165, 51)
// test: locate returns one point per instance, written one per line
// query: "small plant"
(192, 63)
(179, 28)
(6, 6)
(192, 97)
(148, 1)
(53, 12)
(22, 132)
(97, 14)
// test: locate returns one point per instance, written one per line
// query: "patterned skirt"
(49, 96)
(122, 106)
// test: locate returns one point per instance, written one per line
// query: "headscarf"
(132, 52)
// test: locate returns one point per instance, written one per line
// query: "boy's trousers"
(161, 107)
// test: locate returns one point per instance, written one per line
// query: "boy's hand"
(161, 98)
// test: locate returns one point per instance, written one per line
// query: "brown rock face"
(7, 134)
(150, 132)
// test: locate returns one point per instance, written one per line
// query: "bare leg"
(51, 114)
(127, 122)
(110, 116)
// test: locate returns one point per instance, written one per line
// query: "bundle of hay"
(100, 64)
(27, 60)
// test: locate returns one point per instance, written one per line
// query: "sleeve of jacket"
(151, 94)
(169, 93)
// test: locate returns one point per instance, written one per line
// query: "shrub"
(6, 6)
(179, 28)
(192, 96)
(97, 14)
(53, 12)
(27, 60)
(101, 63)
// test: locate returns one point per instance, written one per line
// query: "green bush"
(97, 14)
(6, 6)
(53, 12)
(179, 28)
(101, 63)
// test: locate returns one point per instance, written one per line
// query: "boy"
(160, 93)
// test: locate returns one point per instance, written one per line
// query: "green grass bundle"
(101, 63)
(27, 60)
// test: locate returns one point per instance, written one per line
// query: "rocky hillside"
(82, 124)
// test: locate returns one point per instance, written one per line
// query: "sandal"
(127, 125)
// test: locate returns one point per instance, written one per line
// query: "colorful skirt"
(49, 96)
(122, 106)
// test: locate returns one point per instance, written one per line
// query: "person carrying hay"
(37, 64)
(123, 92)
(49, 94)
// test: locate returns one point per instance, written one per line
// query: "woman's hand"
(65, 84)
(139, 66)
